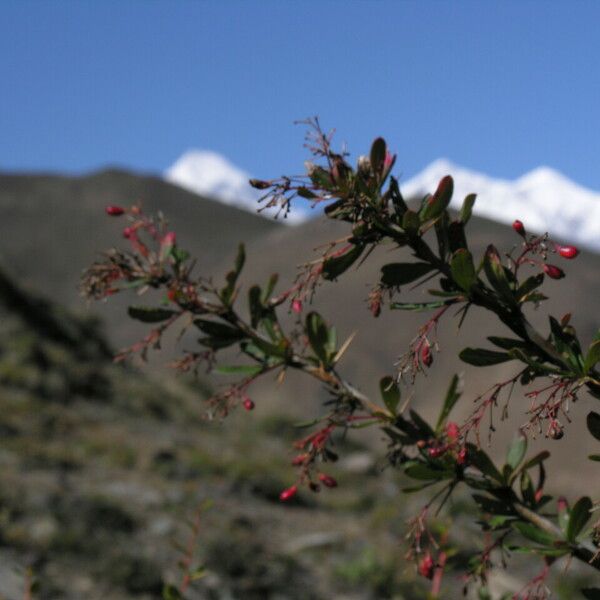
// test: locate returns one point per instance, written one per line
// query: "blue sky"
(499, 87)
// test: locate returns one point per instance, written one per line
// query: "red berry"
(452, 431)
(289, 493)
(568, 252)
(114, 211)
(553, 272)
(248, 404)
(426, 356)
(519, 228)
(426, 565)
(327, 480)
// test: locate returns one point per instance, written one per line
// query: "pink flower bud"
(553, 271)
(114, 211)
(519, 228)
(426, 565)
(288, 493)
(461, 457)
(248, 404)
(562, 504)
(128, 232)
(327, 480)
(568, 252)
(452, 431)
(169, 239)
(297, 306)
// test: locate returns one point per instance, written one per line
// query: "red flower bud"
(426, 356)
(248, 404)
(568, 252)
(538, 495)
(461, 458)
(128, 232)
(172, 295)
(426, 565)
(298, 460)
(327, 480)
(297, 306)
(519, 228)
(289, 493)
(452, 431)
(114, 211)
(553, 271)
(562, 504)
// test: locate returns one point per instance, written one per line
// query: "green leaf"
(218, 330)
(170, 592)
(334, 267)
(479, 459)
(400, 206)
(239, 369)
(318, 335)
(149, 314)
(425, 473)
(480, 357)
(396, 274)
(463, 270)
(494, 271)
(390, 393)
(417, 306)
(593, 356)
(591, 593)
(580, 514)
(435, 205)
(255, 305)
(593, 424)
(516, 451)
(232, 277)
(531, 532)
(594, 457)
(508, 343)
(492, 505)
(411, 221)
(306, 193)
(536, 460)
(467, 208)
(378, 150)
(530, 284)
(452, 396)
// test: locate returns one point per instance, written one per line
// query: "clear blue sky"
(500, 87)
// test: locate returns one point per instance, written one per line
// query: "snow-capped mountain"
(212, 175)
(543, 199)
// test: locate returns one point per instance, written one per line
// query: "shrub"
(509, 501)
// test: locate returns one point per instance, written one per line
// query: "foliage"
(509, 501)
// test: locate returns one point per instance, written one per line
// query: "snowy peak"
(210, 174)
(544, 199)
